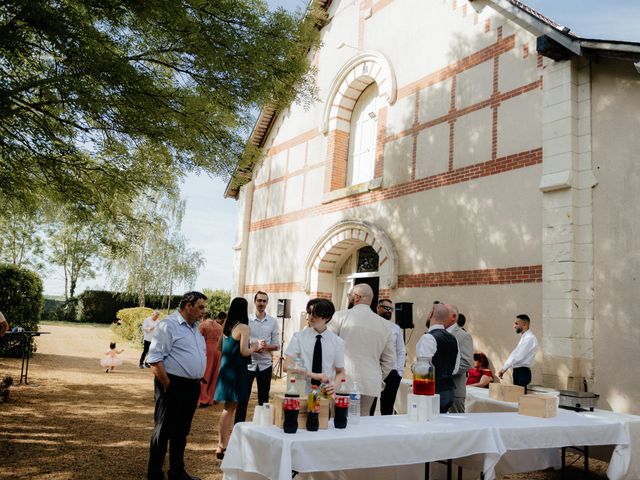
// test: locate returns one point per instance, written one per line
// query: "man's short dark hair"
(524, 318)
(190, 298)
(260, 292)
(321, 308)
(461, 320)
(221, 315)
(384, 300)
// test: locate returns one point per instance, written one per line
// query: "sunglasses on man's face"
(387, 308)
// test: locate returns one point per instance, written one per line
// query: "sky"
(210, 219)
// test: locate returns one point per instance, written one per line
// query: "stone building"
(473, 152)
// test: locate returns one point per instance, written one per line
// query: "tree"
(73, 246)
(159, 261)
(101, 100)
(21, 243)
(217, 300)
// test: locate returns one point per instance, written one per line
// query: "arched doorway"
(349, 253)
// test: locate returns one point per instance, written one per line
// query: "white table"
(375, 442)
(477, 441)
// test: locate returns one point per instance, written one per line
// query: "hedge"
(130, 320)
(21, 302)
(100, 306)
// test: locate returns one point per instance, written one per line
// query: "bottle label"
(342, 401)
(354, 397)
(291, 403)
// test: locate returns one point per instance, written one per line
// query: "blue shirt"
(265, 329)
(180, 347)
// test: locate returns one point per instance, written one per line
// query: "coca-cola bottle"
(313, 410)
(342, 405)
(291, 407)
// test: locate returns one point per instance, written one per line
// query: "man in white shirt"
(265, 331)
(442, 349)
(148, 331)
(523, 356)
(321, 350)
(369, 355)
(392, 382)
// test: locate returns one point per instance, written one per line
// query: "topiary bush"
(130, 320)
(21, 302)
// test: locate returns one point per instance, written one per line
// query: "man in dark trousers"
(524, 355)
(442, 348)
(392, 382)
(178, 360)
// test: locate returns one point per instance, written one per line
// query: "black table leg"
(426, 471)
(459, 472)
(563, 462)
(586, 462)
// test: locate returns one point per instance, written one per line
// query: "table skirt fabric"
(392, 447)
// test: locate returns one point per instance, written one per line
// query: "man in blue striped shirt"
(178, 359)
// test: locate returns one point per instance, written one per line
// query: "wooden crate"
(545, 406)
(505, 393)
(278, 412)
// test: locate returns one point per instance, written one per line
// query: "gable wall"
(462, 160)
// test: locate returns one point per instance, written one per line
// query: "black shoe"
(140, 366)
(182, 476)
(146, 365)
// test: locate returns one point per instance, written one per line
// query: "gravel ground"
(74, 421)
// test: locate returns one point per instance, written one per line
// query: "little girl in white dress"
(111, 358)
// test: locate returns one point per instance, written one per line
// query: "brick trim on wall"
(486, 276)
(489, 276)
(464, 174)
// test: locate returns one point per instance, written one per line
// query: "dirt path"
(74, 421)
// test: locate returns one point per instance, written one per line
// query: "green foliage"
(103, 100)
(130, 320)
(217, 300)
(21, 302)
(73, 245)
(160, 261)
(21, 242)
(100, 306)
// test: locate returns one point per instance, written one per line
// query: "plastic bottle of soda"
(291, 407)
(354, 404)
(341, 406)
(313, 410)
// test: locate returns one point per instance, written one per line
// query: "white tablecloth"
(375, 442)
(477, 441)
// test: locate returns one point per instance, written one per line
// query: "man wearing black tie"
(321, 351)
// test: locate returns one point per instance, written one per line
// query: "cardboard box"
(278, 413)
(505, 393)
(545, 406)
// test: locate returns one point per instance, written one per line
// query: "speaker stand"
(277, 372)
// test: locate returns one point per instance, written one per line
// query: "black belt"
(184, 380)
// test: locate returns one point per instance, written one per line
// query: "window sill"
(357, 189)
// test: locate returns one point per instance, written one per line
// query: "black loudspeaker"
(284, 308)
(404, 314)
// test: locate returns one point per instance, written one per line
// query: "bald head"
(452, 315)
(440, 314)
(361, 294)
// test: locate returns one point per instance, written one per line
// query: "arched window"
(362, 138)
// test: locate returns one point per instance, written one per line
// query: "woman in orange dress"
(211, 331)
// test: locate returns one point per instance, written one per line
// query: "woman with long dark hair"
(233, 377)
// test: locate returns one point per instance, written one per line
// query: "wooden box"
(545, 406)
(505, 393)
(278, 412)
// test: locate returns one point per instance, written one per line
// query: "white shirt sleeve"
(524, 352)
(400, 353)
(426, 346)
(293, 348)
